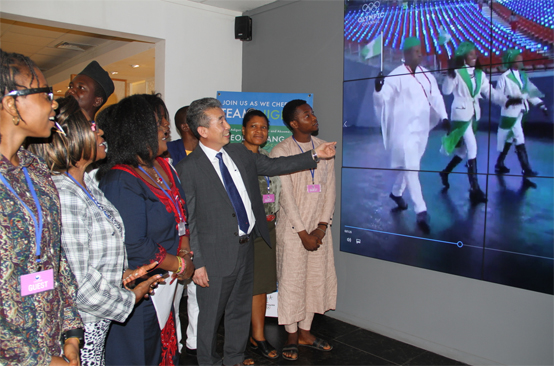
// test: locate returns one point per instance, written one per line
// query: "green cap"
(509, 56)
(464, 48)
(410, 42)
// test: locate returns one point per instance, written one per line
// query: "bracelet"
(78, 333)
(323, 231)
(314, 156)
(324, 224)
(182, 266)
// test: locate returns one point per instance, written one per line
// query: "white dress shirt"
(237, 179)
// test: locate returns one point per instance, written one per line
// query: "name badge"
(314, 188)
(182, 227)
(269, 198)
(33, 283)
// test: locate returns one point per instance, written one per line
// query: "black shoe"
(444, 179)
(524, 161)
(422, 220)
(264, 348)
(501, 169)
(529, 173)
(449, 168)
(190, 352)
(402, 205)
(477, 196)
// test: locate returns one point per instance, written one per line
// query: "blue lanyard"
(312, 171)
(112, 219)
(268, 182)
(174, 202)
(38, 223)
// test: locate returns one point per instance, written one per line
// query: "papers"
(163, 298)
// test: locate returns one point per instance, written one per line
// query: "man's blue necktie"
(234, 195)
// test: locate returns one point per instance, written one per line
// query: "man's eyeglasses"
(23, 92)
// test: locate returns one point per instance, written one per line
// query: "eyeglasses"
(23, 92)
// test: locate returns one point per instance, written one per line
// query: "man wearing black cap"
(91, 88)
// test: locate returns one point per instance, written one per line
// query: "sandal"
(292, 349)
(264, 348)
(318, 344)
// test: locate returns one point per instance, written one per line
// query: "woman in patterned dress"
(37, 287)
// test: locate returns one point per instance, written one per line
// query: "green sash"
(507, 123)
(467, 80)
(524, 78)
(450, 141)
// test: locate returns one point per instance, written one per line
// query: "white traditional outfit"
(467, 84)
(307, 279)
(409, 105)
(516, 84)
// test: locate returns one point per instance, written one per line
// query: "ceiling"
(54, 48)
(236, 5)
(40, 42)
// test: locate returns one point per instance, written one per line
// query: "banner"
(235, 105)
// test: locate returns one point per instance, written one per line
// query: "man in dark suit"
(226, 213)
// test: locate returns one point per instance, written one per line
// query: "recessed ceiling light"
(135, 66)
(115, 72)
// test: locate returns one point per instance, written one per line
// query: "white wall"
(196, 53)
(297, 47)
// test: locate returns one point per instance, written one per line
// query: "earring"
(16, 120)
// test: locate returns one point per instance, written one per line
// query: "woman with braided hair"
(468, 83)
(37, 287)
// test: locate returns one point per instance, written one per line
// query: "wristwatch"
(315, 157)
(78, 333)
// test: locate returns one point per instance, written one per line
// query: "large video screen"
(472, 195)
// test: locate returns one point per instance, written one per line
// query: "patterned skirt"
(92, 353)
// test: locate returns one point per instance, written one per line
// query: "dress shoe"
(422, 220)
(401, 204)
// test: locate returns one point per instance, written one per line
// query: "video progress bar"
(459, 244)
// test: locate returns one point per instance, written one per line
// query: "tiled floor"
(351, 346)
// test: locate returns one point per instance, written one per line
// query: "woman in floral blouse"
(37, 287)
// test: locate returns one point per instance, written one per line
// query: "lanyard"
(312, 171)
(110, 218)
(38, 222)
(174, 202)
(430, 85)
(268, 182)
